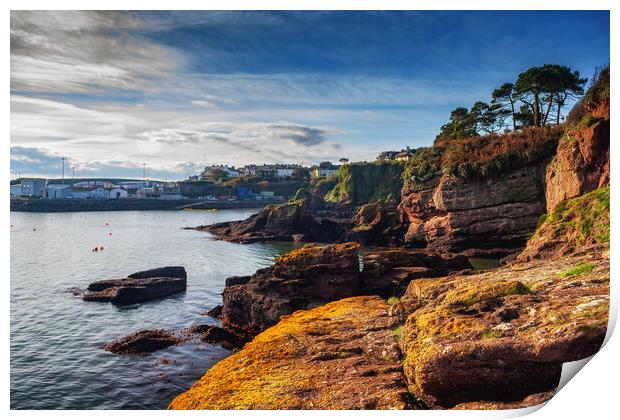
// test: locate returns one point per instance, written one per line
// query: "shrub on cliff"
(362, 183)
(482, 156)
(597, 93)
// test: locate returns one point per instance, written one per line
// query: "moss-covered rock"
(502, 335)
(571, 227)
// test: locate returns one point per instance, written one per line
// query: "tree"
(504, 96)
(343, 161)
(565, 84)
(545, 86)
(461, 124)
(493, 118)
(524, 118)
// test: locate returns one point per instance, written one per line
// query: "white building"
(59, 192)
(214, 170)
(16, 190)
(34, 187)
(284, 172)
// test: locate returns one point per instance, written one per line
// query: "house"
(150, 192)
(404, 156)
(115, 192)
(218, 172)
(171, 192)
(59, 192)
(324, 169)
(34, 187)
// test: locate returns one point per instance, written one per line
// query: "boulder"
(139, 287)
(502, 335)
(215, 335)
(140, 342)
(304, 278)
(343, 355)
(388, 272)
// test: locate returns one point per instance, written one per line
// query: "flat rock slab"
(138, 287)
(343, 355)
(141, 342)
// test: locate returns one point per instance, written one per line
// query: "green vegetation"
(393, 300)
(597, 93)
(398, 332)
(481, 156)
(489, 334)
(363, 183)
(541, 91)
(578, 270)
(579, 221)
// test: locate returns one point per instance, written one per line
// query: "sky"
(177, 90)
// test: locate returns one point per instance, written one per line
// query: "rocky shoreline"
(409, 328)
(420, 330)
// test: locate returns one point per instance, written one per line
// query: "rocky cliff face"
(476, 216)
(582, 161)
(343, 355)
(305, 278)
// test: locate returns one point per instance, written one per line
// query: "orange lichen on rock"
(502, 335)
(311, 253)
(342, 355)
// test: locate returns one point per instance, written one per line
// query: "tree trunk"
(514, 123)
(548, 109)
(536, 110)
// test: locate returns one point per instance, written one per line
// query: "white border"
(592, 395)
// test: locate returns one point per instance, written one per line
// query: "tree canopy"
(536, 98)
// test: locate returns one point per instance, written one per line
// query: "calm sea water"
(56, 338)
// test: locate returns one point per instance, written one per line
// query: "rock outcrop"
(305, 278)
(573, 226)
(139, 287)
(582, 160)
(343, 355)
(291, 221)
(141, 342)
(376, 224)
(503, 335)
(493, 216)
(388, 272)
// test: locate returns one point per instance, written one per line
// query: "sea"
(56, 355)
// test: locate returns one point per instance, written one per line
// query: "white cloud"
(83, 51)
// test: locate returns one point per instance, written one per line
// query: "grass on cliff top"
(482, 156)
(367, 182)
(579, 221)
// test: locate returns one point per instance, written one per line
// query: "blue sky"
(110, 90)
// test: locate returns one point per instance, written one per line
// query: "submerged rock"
(343, 355)
(140, 342)
(305, 278)
(138, 287)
